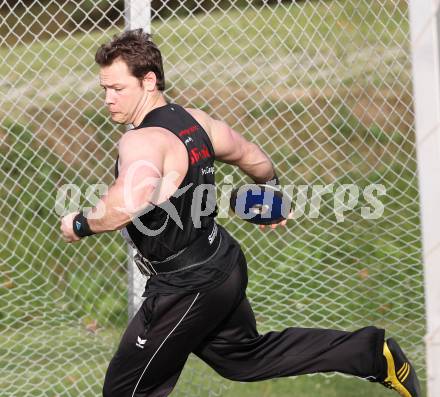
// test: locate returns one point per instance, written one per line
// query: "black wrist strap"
(81, 226)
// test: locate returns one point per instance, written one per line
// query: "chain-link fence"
(323, 86)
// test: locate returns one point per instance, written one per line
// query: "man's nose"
(109, 97)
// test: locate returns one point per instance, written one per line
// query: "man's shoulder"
(153, 144)
(147, 136)
(202, 118)
(198, 114)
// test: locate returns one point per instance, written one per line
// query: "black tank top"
(198, 194)
(171, 236)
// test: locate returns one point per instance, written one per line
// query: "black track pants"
(219, 327)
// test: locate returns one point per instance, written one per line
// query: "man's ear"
(149, 81)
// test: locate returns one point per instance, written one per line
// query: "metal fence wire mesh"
(323, 86)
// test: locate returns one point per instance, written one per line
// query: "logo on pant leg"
(141, 342)
(213, 234)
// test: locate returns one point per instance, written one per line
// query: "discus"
(260, 204)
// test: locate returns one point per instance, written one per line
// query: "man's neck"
(154, 102)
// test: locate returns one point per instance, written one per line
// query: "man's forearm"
(110, 212)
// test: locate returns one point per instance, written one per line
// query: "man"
(195, 299)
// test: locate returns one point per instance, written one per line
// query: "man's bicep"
(229, 146)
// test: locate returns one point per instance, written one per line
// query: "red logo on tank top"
(188, 131)
(197, 154)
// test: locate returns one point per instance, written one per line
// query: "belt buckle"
(144, 265)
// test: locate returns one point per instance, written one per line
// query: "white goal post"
(425, 50)
(137, 15)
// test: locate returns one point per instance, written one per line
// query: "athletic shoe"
(401, 375)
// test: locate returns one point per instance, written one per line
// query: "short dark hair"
(138, 51)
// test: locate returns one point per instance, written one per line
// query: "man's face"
(123, 91)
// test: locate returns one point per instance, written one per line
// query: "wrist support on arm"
(81, 226)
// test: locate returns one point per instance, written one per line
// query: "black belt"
(199, 252)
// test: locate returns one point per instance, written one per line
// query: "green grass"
(318, 273)
(44, 371)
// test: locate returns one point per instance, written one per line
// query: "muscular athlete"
(195, 298)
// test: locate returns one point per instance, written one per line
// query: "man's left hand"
(67, 232)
